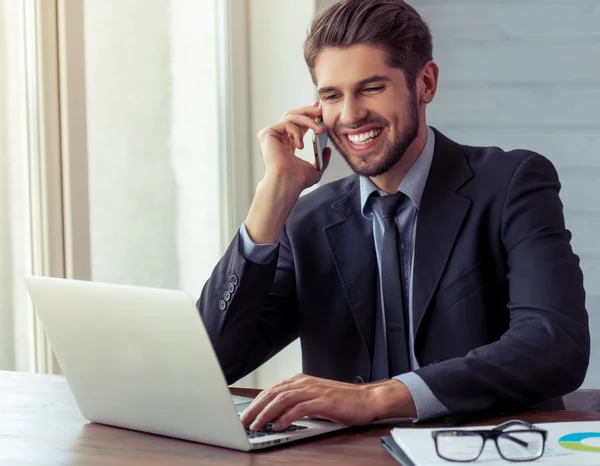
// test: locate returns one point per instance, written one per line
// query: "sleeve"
(427, 404)
(249, 308)
(259, 253)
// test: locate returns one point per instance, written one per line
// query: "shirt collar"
(413, 183)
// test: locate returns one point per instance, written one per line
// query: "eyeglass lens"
(521, 446)
(459, 446)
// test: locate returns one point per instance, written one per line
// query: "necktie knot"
(388, 205)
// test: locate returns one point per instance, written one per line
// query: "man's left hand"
(343, 403)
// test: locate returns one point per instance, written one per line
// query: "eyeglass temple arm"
(523, 443)
(508, 424)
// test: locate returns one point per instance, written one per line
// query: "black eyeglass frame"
(494, 434)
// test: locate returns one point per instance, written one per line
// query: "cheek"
(392, 131)
(330, 116)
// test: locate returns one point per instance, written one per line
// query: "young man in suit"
(438, 280)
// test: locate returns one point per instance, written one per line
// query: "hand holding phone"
(320, 142)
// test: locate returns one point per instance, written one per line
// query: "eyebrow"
(370, 80)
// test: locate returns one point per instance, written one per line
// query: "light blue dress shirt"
(427, 404)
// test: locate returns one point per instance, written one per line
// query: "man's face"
(371, 112)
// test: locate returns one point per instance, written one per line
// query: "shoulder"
(495, 158)
(482, 173)
(496, 167)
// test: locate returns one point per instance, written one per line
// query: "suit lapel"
(441, 215)
(353, 249)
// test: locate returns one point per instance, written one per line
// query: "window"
(148, 113)
(153, 142)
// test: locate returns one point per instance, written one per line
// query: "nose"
(352, 112)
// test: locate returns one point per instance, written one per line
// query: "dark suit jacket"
(499, 305)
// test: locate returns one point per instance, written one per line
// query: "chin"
(365, 168)
(370, 165)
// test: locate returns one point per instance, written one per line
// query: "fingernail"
(277, 425)
(254, 425)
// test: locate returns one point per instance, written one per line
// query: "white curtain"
(15, 318)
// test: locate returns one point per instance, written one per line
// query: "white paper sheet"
(562, 438)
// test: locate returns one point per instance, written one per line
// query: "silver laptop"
(140, 358)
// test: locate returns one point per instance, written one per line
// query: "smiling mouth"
(365, 138)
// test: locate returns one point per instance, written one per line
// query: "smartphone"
(320, 142)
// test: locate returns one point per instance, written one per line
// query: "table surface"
(40, 424)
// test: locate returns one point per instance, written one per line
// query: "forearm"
(273, 201)
(535, 360)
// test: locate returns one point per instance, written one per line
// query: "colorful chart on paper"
(575, 440)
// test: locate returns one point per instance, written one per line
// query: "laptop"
(141, 359)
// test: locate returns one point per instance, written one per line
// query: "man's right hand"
(286, 175)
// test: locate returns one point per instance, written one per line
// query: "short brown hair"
(390, 25)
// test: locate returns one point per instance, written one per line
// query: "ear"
(428, 79)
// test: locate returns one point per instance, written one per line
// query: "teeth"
(364, 138)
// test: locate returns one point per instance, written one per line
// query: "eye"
(331, 97)
(374, 89)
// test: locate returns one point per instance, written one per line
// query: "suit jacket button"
(227, 296)
(230, 287)
(234, 279)
(222, 305)
(358, 379)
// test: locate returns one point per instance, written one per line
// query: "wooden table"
(41, 425)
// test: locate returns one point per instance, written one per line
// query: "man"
(441, 274)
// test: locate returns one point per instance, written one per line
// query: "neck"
(390, 180)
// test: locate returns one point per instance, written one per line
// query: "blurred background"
(128, 129)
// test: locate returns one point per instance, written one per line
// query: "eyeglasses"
(515, 441)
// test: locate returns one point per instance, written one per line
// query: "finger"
(257, 405)
(308, 408)
(293, 124)
(267, 396)
(281, 404)
(305, 123)
(287, 133)
(311, 111)
(296, 134)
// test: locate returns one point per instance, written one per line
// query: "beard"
(393, 152)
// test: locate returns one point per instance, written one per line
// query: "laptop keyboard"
(268, 430)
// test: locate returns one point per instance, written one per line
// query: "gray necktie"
(392, 284)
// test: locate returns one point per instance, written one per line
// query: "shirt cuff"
(427, 404)
(257, 253)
